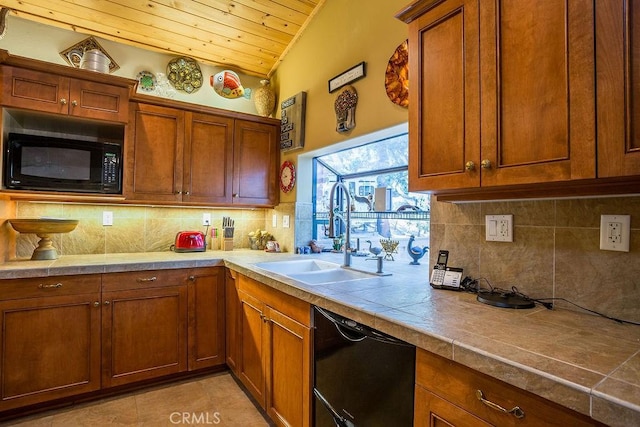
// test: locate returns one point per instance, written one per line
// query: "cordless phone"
(437, 275)
(443, 277)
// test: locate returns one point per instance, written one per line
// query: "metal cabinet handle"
(74, 103)
(516, 411)
(186, 193)
(236, 195)
(178, 192)
(485, 164)
(470, 165)
(63, 101)
(50, 286)
(146, 279)
(192, 278)
(107, 302)
(96, 304)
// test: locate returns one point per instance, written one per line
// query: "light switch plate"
(285, 221)
(107, 218)
(615, 231)
(499, 228)
(274, 220)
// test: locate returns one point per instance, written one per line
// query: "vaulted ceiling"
(251, 36)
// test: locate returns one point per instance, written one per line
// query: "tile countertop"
(581, 361)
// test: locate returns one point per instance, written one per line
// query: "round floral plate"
(184, 74)
(396, 78)
(147, 81)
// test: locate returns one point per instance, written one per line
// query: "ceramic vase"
(265, 99)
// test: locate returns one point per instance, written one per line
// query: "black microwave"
(33, 162)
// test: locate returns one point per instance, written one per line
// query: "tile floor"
(214, 400)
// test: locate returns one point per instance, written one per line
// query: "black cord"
(542, 301)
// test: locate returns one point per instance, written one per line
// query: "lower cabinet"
(69, 335)
(144, 325)
(49, 338)
(274, 351)
(447, 394)
(206, 326)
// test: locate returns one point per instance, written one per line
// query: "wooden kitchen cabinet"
(50, 338)
(144, 325)
(618, 88)
(255, 163)
(232, 310)
(499, 100)
(274, 360)
(52, 93)
(206, 333)
(180, 156)
(447, 395)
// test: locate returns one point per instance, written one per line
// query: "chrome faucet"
(344, 217)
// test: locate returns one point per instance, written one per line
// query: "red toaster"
(190, 241)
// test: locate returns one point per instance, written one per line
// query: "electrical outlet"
(614, 232)
(499, 228)
(206, 219)
(107, 218)
(285, 221)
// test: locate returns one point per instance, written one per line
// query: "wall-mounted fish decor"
(227, 84)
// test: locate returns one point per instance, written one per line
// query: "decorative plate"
(184, 74)
(396, 78)
(147, 81)
(287, 176)
(73, 54)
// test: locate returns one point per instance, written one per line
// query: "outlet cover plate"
(499, 228)
(206, 218)
(615, 231)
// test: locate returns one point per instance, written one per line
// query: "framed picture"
(292, 117)
(346, 77)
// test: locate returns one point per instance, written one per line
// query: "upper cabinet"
(618, 88)
(182, 156)
(52, 93)
(503, 98)
(255, 158)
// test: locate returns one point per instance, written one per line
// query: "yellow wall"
(341, 35)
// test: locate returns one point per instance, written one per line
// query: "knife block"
(227, 244)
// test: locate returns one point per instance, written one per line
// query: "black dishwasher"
(362, 377)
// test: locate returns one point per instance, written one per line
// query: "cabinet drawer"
(143, 279)
(49, 286)
(459, 385)
(293, 307)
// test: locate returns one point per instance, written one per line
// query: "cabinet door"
(538, 91)
(289, 374)
(444, 118)
(50, 348)
(154, 154)
(233, 325)
(618, 83)
(252, 342)
(206, 318)
(34, 90)
(144, 333)
(255, 154)
(98, 101)
(208, 159)
(433, 411)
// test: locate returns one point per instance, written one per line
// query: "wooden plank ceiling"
(251, 36)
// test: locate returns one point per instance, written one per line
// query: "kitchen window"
(377, 169)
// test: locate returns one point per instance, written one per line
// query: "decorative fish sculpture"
(227, 84)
